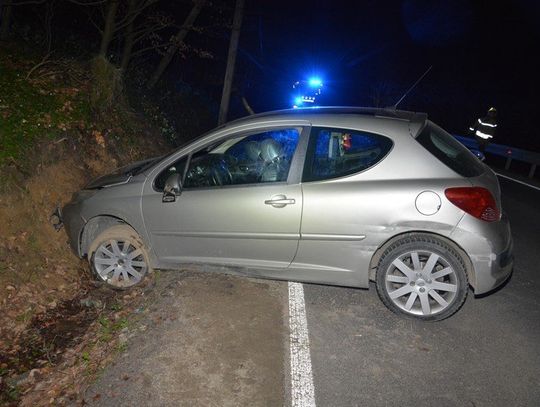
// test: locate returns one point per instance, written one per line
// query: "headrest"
(270, 149)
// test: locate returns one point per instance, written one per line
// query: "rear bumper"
(490, 249)
(499, 272)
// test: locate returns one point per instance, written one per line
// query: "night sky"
(370, 52)
(367, 52)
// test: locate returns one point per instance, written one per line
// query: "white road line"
(302, 389)
(518, 181)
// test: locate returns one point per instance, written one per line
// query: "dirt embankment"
(48, 304)
(43, 285)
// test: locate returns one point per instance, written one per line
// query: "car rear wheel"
(119, 258)
(423, 277)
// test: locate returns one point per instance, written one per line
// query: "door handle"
(279, 201)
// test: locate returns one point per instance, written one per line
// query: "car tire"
(423, 277)
(119, 258)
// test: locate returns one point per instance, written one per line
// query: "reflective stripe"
(486, 124)
(483, 135)
(471, 128)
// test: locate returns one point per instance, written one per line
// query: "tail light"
(476, 201)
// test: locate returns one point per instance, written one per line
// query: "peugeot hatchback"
(339, 196)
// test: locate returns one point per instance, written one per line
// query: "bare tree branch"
(92, 21)
(141, 51)
(152, 27)
(43, 61)
(87, 3)
(24, 3)
(129, 17)
(178, 39)
(78, 2)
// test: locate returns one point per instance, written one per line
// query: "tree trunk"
(128, 41)
(231, 60)
(108, 30)
(49, 15)
(6, 21)
(177, 40)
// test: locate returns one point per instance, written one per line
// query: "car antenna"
(412, 87)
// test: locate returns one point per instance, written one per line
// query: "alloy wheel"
(120, 263)
(421, 283)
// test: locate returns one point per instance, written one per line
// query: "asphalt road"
(488, 354)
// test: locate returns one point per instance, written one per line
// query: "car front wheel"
(423, 277)
(119, 257)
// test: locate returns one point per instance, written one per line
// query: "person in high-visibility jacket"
(484, 129)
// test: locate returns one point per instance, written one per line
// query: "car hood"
(121, 175)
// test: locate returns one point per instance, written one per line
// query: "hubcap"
(120, 263)
(421, 283)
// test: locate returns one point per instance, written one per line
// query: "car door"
(241, 202)
(340, 206)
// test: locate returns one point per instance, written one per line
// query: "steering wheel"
(230, 160)
(220, 174)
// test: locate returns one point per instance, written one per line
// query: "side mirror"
(173, 188)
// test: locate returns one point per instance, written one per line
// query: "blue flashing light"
(315, 82)
(298, 100)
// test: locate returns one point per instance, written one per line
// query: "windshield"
(144, 165)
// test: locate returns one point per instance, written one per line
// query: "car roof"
(308, 113)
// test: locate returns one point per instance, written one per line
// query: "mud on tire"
(119, 258)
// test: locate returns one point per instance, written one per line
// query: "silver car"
(339, 196)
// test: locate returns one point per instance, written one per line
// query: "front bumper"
(73, 223)
(73, 220)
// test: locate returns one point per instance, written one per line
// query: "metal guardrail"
(511, 153)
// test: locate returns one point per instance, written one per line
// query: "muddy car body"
(337, 196)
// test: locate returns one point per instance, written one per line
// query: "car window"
(450, 151)
(245, 159)
(175, 168)
(335, 153)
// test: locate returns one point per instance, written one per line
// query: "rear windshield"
(450, 151)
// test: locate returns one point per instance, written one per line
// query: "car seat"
(274, 168)
(253, 151)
